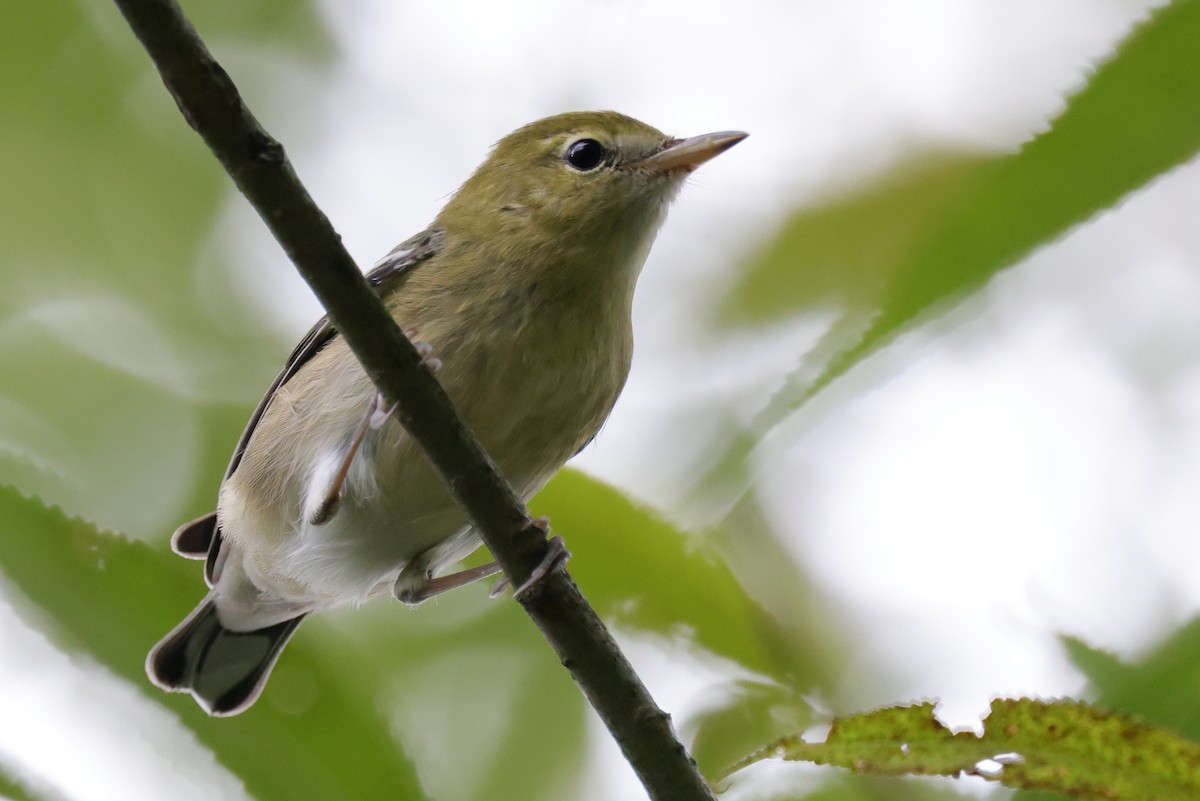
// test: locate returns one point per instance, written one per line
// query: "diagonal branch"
(210, 102)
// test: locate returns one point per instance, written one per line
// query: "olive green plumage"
(522, 287)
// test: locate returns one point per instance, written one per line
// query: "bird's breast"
(537, 389)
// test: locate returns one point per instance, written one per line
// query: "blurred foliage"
(113, 598)
(130, 359)
(1163, 687)
(1137, 117)
(941, 226)
(748, 714)
(1065, 746)
(13, 789)
(110, 203)
(643, 574)
(845, 252)
(951, 223)
(640, 572)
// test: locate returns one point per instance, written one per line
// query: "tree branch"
(210, 102)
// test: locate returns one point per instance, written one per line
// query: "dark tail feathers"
(224, 670)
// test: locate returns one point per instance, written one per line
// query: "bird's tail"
(224, 670)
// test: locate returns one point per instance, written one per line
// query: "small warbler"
(520, 294)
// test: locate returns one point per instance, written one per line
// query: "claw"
(556, 554)
(379, 415)
(541, 524)
(424, 350)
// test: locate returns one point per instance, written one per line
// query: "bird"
(519, 295)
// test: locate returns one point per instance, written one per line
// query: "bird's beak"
(688, 154)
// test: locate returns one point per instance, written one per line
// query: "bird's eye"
(586, 154)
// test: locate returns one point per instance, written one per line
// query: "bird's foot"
(556, 554)
(424, 350)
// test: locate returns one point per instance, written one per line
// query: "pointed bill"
(688, 154)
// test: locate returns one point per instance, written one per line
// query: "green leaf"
(286, 24)
(1137, 117)
(113, 329)
(486, 706)
(1163, 687)
(638, 570)
(1061, 746)
(15, 789)
(314, 734)
(845, 252)
(752, 713)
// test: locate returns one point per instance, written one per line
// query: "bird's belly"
(393, 508)
(530, 414)
(361, 550)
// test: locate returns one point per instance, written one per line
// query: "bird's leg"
(556, 555)
(413, 588)
(414, 584)
(375, 419)
(333, 495)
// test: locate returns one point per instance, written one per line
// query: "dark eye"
(586, 154)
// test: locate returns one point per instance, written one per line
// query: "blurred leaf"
(220, 427)
(137, 206)
(314, 734)
(480, 700)
(106, 341)
(1063, 746)
(845, 252)
(1164, 687)
(1138, 117)
(544, 752)
(752, 713)
(638, 570)
(14, 789)
(843, 787)
(101, 442)
(282, 23)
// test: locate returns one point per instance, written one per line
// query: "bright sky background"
(943, 491)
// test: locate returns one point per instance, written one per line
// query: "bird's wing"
(385, 276)
(407, 255)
